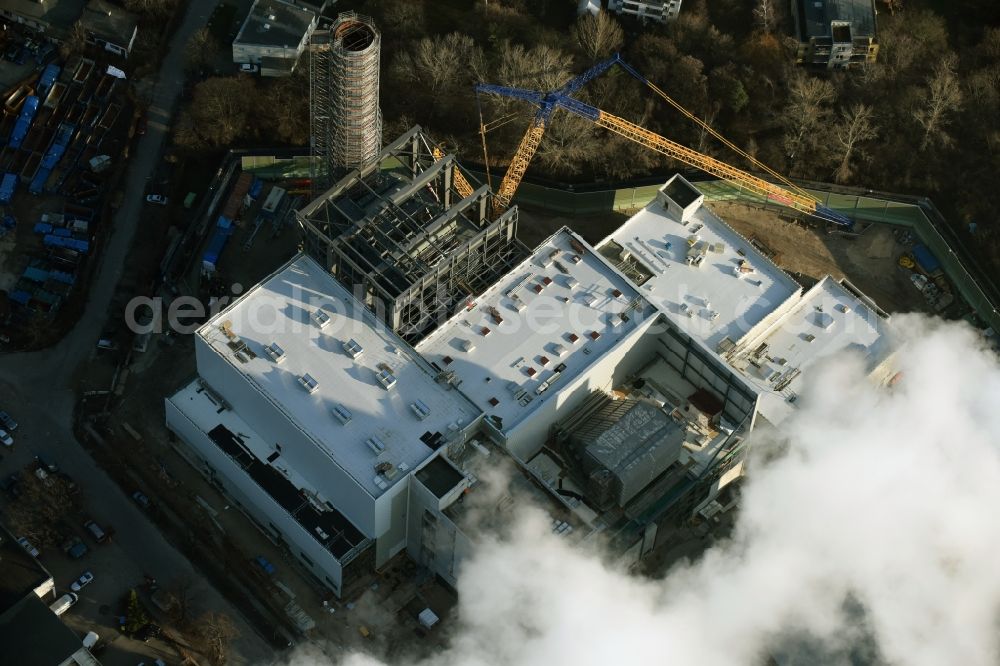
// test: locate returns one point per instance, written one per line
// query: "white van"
(63, 603)
(90, 640)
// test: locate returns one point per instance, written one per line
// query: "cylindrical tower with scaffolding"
(343, 97)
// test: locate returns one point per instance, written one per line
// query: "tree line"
(922, 119)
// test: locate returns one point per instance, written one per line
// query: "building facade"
(273, 36)
(653, 10)
(312, 415)
(835, 34)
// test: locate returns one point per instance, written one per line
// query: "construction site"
(681, 324)
(59, 131)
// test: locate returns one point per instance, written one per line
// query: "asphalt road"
(36, 388)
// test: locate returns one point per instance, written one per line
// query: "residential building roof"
(56, 13)
(337, 373)
(20, 573)
(32, 634)
(275, 23)
(815, 17)
(109, 21)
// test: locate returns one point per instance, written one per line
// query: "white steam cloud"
(877, 527)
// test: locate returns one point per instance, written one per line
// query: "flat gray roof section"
(32, 634)
(108, 21)
(710, 281)
(338, 373)
(439, 476)
(638, 446)
(543, 324)
(815, 17)
(275, 23)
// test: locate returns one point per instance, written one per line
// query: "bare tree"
(942, 96)
(220, 110)
(764, 16)
(808, 109)
(567, 145)
(216, 631)
(893, 5)
(75, 42)
(857, 125)
(599, 35)
(541, 67)
(442, 62)
(200, 50)
(151, 8)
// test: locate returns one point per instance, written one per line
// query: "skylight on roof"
(276, 353)
(308, 383)
(321, 318)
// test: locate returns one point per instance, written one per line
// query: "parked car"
(75, 548)
(28, 547)
(64, 603)
(141, 499)
(249, 68)
(85, 579)
(100, 536)
(90, 640)
(8, 422)
(6, 439)
(158, 199)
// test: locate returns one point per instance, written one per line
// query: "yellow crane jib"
(548, 102)
(462, 185)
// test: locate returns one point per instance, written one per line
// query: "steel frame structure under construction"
(346, 121)
(410, 236)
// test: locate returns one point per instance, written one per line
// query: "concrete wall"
(433, 540)
(390, 521)
(632, 352)
(253, 500)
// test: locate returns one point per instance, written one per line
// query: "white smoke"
(877, 525)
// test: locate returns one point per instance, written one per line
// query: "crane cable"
(798, 190)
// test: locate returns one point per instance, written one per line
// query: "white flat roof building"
(314, 413)
(336, 372)
(830, 318)
(522, 345)
(708, 279)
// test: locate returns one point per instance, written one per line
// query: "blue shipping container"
(7, 186)
(927, 262)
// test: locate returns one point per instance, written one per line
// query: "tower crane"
(560, 98)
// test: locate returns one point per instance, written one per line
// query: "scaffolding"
(407, 235)
(345, 119)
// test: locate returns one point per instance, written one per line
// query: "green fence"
(913, 215)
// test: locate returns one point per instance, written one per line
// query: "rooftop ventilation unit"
(321, 318)
(342, 413)
(276, 353)
(321, 533)
(467, 345)
(421, 410)
(375, 444)
(308, 383)
(386, 379)
(353, 349)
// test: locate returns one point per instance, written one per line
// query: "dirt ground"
(868, 261)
